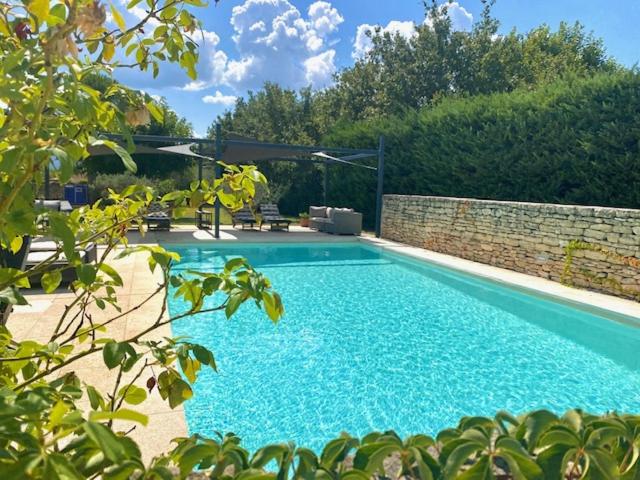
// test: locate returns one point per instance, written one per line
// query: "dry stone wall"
(526, 237)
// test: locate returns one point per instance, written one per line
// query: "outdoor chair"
(204, 216)
(271, 215)
(243, 217)
(157, 219)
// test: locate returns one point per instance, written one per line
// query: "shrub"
(574, 142)
(117, 182)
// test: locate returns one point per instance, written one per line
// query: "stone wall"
(525, 237)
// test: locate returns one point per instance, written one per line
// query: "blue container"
(76, 194)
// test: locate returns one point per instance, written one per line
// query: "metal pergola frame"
(318, 151)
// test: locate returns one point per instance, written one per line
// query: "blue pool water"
(374, 341)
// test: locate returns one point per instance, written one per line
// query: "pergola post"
(199, 170)
(325, 185)
(380, 188)
(216, 169)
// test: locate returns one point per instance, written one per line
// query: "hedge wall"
(575, 141)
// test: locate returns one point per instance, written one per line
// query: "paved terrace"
(38, 319)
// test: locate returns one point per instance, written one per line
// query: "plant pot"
(304, 222)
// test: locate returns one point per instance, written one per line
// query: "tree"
(168, 123)
(50, 52)
(400, 73)
(276, 114)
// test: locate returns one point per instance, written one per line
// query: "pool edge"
(608, 306)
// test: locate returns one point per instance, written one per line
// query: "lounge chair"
(244, 217)
(157, 218)
(41, 249)
(271, 215)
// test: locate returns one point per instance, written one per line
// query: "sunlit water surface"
(372, 341)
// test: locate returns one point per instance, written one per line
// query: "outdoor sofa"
(339, 221)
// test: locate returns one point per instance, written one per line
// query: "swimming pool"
(375, 341)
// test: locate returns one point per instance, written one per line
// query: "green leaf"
(522, 466)
(355, 475)
(265, 454)
(459, 456)
(133, 395)
(336, 450)
(602, 465)
(195, 455)
(61, 230)
(272, 305)
(40, 9)
(370, 457)
(115, 276)
(106, 440)
(95, 399)
(172, 387)
(12, 296)
(58, 466)
(550, 460)
(204, 356)
(155, 111)
(117, 17)
(255, 474)
(481, 470)
(233, 303)
(16, 244)
(51, 280)
(121, 414)
(121, 152)
(112, 354)
(86, 273)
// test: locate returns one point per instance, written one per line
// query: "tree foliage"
(276, 114)
(572, 142)
(400, 73)
(400, 76)
(54, 424)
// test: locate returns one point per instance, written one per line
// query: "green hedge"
(575, 141)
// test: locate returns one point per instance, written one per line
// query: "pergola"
(236, 150)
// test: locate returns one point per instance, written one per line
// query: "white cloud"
(219, 99)
(363, 42)
(275, 42)
(461, 20)
(319, 70)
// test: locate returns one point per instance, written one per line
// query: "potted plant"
(304, 219)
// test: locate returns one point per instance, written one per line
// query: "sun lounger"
(244, 217)
(41, 250)
(271, 215)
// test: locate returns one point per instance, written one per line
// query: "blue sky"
(303, 42)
